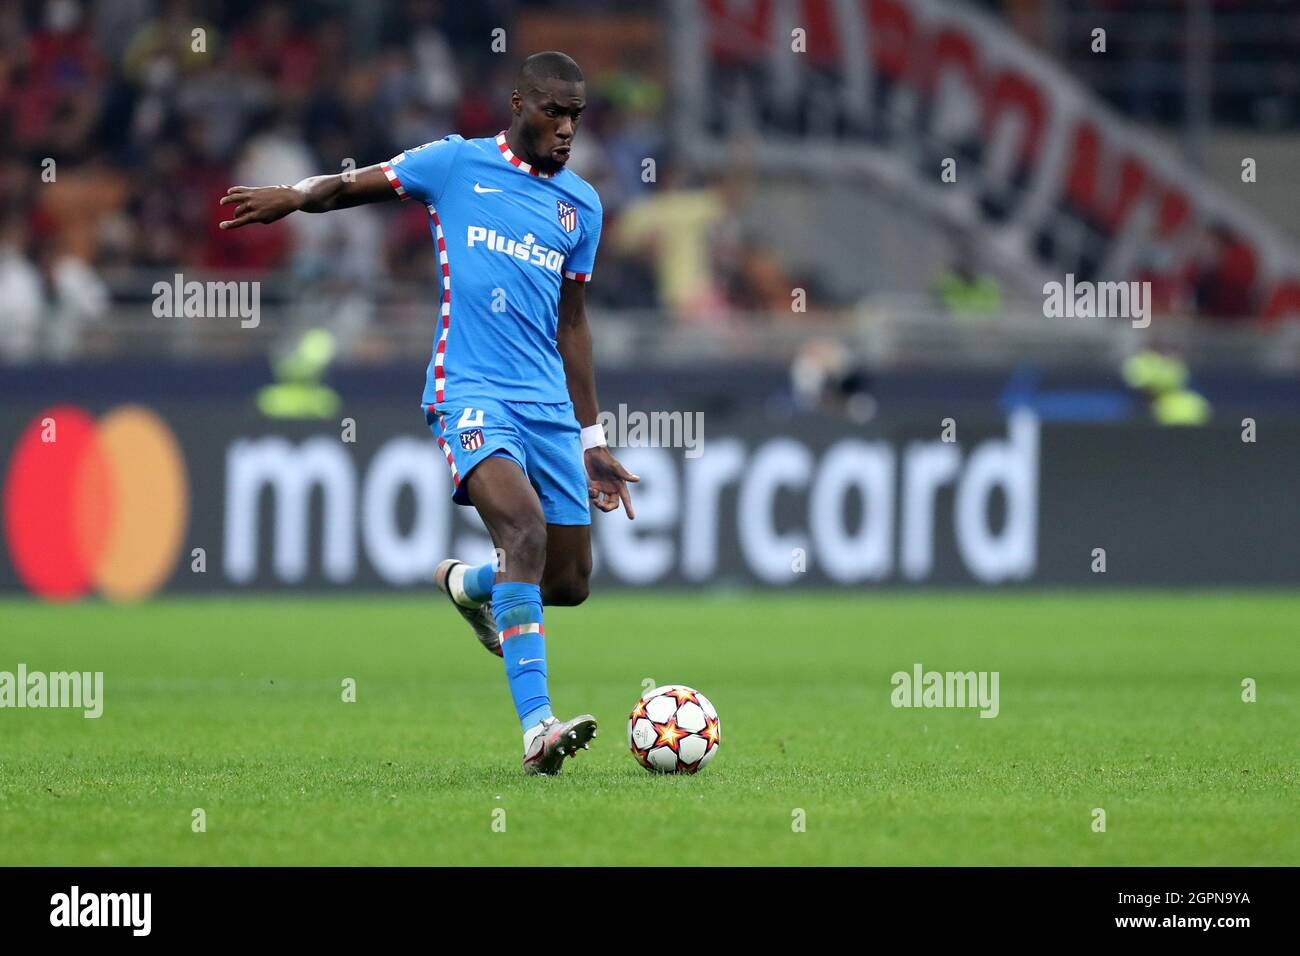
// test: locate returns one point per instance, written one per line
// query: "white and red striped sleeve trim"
(393, 180)
(578, 276)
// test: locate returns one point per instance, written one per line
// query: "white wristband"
(593, 436)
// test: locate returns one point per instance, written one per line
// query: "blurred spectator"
(965, 291)
(826, 378)
(59, 104)
(280, 49)
(435, 83)
(689, 235)
(632, 134)
(167, 43)
(70, 208)
(153, 115)
(80, 298)
(22, 297)
(1163, 380)
(1225, 272)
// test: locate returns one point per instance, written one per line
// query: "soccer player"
(510, 393)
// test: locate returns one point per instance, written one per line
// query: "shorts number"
(470, 418)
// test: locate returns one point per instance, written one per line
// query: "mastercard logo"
(95, 505)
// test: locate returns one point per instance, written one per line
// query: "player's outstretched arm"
(266, 204)
(606, 478)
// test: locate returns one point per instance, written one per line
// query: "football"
(674, 729)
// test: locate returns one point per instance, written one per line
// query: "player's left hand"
(607, 480)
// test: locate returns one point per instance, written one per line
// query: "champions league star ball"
(674, 729)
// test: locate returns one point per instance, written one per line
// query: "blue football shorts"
(542, 438)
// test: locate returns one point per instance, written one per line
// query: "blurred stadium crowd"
(145, 111)
(147, 123)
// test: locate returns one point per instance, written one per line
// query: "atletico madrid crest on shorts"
(568, 213)
(471, 439)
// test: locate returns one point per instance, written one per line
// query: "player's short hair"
(548, 65)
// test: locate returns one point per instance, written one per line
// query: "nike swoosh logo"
(533, 660)
(485, 189)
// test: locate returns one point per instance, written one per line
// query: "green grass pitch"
(1130, 702)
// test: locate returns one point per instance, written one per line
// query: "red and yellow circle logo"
(95, 505)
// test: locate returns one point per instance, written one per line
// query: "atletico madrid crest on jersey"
(568, 213)
(471, 439)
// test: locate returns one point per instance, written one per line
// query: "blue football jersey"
(506, 235)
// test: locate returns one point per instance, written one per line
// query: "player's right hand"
(260, 204)
(607, 480)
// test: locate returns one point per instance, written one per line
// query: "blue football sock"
(518, 610)
(479, 580)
